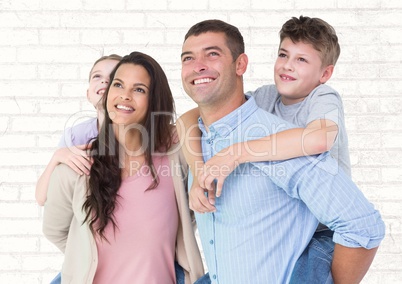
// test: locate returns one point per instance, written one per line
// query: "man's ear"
(327, 73)
(241, 64)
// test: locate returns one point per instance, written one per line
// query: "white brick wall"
(48, 46)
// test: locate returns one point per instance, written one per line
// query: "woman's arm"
(58, 209)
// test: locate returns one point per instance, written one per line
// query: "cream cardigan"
(63, 218)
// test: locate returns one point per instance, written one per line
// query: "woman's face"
(128, 96)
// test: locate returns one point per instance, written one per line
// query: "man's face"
(208, 70)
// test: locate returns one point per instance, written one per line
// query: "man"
(269, 211)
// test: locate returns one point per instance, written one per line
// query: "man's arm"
(335, 200)
(349, 265)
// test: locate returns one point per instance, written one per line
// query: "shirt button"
(214, 276)
(211, 242)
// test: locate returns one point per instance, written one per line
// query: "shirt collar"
(224, 126)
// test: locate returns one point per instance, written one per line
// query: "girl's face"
(128, 95)
(98, 81)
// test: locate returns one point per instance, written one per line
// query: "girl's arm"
(75, 157)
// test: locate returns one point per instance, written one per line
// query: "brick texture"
(48, 47)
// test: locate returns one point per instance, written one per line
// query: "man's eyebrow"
(215, 47)
(185, 53)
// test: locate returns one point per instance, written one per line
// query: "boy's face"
(208, 71)
(298, 70)
(99, 80)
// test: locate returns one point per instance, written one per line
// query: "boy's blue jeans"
(56, 280)
(314, 265)
(179, 277)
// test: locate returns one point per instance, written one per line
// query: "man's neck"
(211, 114)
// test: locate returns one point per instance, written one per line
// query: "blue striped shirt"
(268, 211)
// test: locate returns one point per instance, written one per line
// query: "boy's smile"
(298, 70)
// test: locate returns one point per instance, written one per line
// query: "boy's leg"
(57, 279)
(314, 265)
(180, 278)
(203, 280)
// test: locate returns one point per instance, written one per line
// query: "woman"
(129, 220)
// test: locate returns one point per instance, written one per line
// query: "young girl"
(129, 220)
(73, 142)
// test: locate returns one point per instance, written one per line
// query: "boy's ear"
(327, 73)
(241, 64)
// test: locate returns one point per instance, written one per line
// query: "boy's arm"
(318, 137)
(75, 157)
(190, 135)
(349, 265)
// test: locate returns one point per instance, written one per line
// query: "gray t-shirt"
(322, 103)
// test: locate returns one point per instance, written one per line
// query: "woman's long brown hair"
(105, 175)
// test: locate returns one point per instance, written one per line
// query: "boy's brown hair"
(314, 31)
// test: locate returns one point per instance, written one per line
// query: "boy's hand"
(199, 202)
(75, 157)
(218, 168)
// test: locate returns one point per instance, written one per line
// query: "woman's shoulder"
(66, 175)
